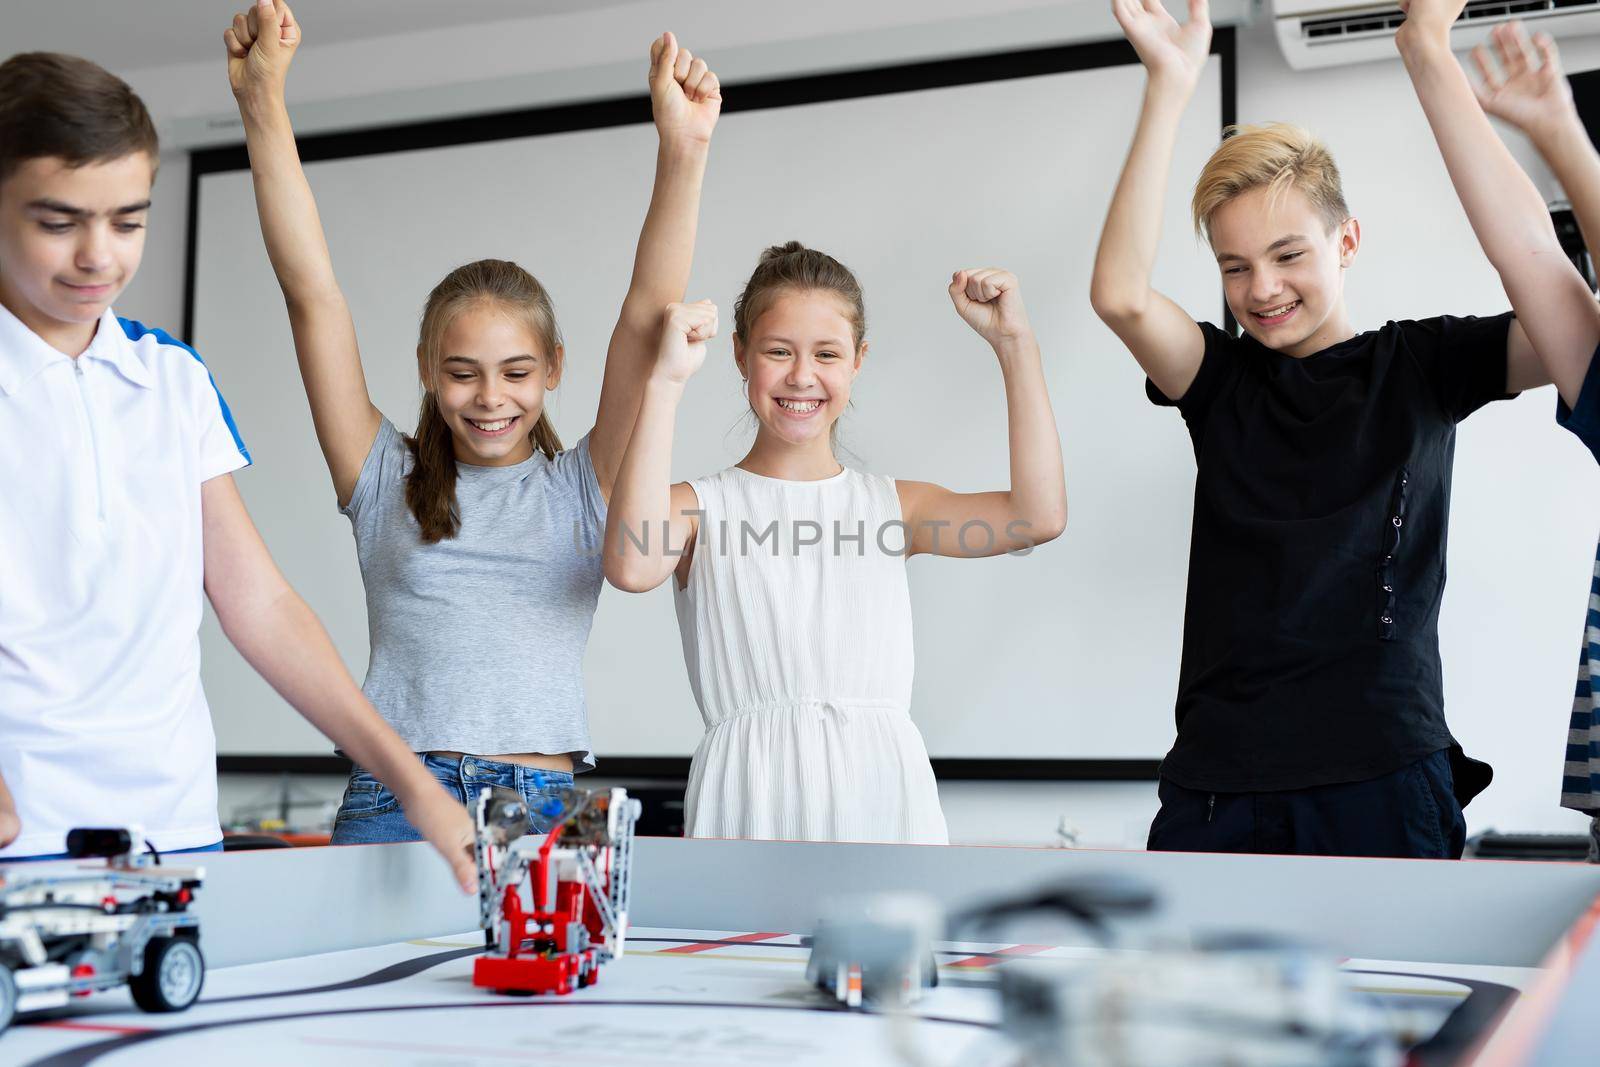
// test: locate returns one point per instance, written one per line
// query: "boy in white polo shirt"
(117, 510)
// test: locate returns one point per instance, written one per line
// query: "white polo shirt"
(102, 719)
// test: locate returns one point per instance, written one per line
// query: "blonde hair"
(1274, 155)
(504, 286)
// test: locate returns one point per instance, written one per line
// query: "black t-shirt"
(1316, 563)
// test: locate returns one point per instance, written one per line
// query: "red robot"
(553, 906)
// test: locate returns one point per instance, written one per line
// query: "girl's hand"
(1171, 53)
(10, 826)
(261, 44)
(1525, 89)
(990, 301)
(685, 96)
(684, 332)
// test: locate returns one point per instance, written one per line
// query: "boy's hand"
(1535, 97)
(10, 826)
(1170, 53)
(990, 301)
(685, 96)
(445, 824)
(684, 332)
(1428, 19)
(261, 43)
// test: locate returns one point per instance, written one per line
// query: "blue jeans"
(371, 815)
(1409, 813)
(216, 847)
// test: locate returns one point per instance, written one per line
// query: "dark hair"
(54, 105)
(794, 266)
(497, 283)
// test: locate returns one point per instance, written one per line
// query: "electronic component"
(69, 929)
(876, 949)
(1239, 1005)
(1245, 1000)
(553, 906)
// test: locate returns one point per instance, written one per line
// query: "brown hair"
(496, 283)
(1276, 156)
(794, 266)
(54, 105)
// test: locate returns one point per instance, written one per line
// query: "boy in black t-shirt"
(1310, 699)
(1523, 84)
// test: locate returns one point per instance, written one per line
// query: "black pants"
(1410, 813)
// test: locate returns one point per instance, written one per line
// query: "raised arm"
(1557, 317)
(1525, 86)
(650, 524)
(686, 99)
(1034, 509)
(1160, 334)
(280, 637)
(261, 43)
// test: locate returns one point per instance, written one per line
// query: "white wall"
(1017, 658)
(156, 295)
(344, 79)
(1507, 678)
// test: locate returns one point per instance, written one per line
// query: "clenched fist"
(685, 329)
(261, 43)
(685, 95)
(989, 299)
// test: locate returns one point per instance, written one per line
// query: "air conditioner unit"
(1317, 33)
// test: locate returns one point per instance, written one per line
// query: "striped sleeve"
(1580, 784)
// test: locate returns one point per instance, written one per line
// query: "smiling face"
(70, 241)
(492, 376)
(799, 362)
(1283, 269)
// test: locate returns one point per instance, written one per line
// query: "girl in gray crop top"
(479, 537)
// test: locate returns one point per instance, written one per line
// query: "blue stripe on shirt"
(136, 330)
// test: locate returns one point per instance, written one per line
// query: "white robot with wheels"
(69, 929)
(875, 950)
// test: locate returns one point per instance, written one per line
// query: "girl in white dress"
(789, 568)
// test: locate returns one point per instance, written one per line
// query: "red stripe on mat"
(64, 1024)
(999, 957)
(736, 939)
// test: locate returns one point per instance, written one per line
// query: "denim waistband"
(475, 770)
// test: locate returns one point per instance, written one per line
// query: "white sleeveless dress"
(800, 657)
